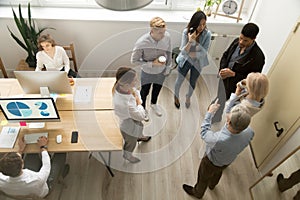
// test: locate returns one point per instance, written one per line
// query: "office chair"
(3, 69)
(71, 53)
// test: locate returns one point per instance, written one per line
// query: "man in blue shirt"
(222, 147)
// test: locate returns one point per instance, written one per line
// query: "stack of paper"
(8, 136)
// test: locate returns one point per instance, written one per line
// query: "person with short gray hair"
(222, 147)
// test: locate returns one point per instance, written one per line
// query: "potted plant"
(29, 33)
(209, 4)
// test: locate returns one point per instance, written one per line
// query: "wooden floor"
(169, 160)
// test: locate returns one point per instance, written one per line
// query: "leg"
(157, 85)
(33, 162)
(144, 93)
(287, 183)
(57, 165)
(193, 79)
(182, 71)
(297, 196)
(222, 100)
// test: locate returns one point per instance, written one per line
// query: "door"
(282, 107)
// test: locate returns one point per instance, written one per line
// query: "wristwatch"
(44, 147)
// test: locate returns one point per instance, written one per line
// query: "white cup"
(162, 59)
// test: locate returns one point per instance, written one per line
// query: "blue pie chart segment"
(26, 112)
(41, 105)
(19, 109)
(45, 113)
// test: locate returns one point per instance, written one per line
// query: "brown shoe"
(144, 139)
(176, 102)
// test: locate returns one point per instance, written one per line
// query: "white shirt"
(29, 182)
(125, 106)
(56, 63)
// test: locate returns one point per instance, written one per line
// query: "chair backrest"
(21, 197)
(3, 69)
(71, 53)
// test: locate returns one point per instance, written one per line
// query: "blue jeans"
(182, 71)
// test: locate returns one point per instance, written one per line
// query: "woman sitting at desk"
(52, 57)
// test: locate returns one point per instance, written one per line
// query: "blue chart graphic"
(23, 110)
(19, 109)
(41, 105)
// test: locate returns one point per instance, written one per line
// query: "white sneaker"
(146, 119)
(156, 109)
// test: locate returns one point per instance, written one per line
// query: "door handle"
(279, 130)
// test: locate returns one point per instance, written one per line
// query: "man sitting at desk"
(14, 180)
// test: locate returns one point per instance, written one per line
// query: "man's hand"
(156, 63)
(42, 141)
(226, 72)
(22, 145)
(214, 107)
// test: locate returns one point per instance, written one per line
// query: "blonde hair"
(157, 22)
(239, 118)
(124, 75)
(257, 85)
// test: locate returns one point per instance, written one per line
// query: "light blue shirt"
(222, 147)
(201, 50)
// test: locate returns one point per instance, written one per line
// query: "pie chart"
(41, 105)
(19, 109)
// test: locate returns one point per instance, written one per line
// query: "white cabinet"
(282, 107)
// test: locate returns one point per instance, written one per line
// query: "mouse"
(58, 139)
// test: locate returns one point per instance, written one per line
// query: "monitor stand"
(44, 92)
(36, 125)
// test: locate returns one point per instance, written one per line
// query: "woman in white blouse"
(128, 107)
(52, 57)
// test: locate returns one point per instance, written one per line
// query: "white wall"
(99, 43)
(276, 20)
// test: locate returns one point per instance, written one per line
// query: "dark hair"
(250, 30)
(11, 164)
(45, 38)
(124, 75)
(195, 21)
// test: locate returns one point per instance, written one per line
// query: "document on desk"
(83, 94)
(8, 136)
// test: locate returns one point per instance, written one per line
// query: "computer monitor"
(29, 109)
(32, 81)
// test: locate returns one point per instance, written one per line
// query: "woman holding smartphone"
(193, 54)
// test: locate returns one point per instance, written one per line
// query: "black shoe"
(189, 189)
(211, 187)
(176, 102)
(131, 159)
(280, 183)
(144, 139)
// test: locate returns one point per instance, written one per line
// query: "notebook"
(8, 136)
(33, 137)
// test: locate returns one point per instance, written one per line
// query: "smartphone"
(74, 137)
(192, 29)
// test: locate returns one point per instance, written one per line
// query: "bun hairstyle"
(124, 75)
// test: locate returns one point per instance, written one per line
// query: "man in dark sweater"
(242, 57)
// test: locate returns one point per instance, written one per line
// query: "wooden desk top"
(101, 96)
(97, 130)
